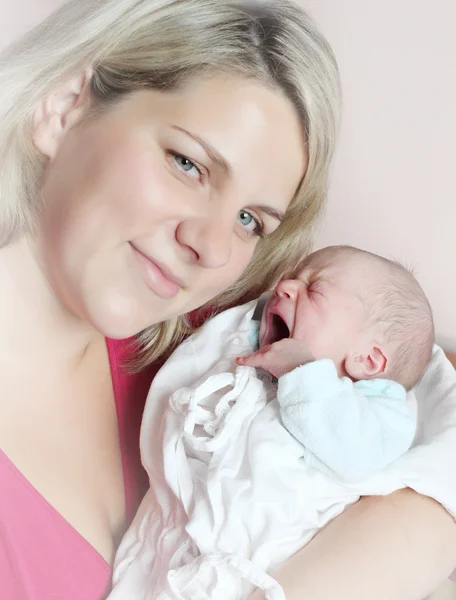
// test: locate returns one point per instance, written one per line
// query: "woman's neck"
(34, 324)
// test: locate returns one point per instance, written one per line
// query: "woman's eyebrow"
(272, 212)
(213, 154)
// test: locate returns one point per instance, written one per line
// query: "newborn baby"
(364, 318)
(244, 470)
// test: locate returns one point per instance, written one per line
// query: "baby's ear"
(372, 363)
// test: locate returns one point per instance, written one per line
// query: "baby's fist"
(279, 358)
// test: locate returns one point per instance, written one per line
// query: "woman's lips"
(157, 279)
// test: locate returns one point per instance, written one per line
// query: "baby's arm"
(354, 429)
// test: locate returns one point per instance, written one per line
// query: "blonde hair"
(137, 44)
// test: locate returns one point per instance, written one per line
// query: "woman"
(156, 156)
(96, 101)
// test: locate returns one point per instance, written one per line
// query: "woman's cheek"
(225, 277)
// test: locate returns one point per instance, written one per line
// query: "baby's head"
(366, 313)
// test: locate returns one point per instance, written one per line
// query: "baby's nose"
(288, 288)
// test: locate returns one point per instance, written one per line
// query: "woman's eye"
(188, 167)
(250, 223)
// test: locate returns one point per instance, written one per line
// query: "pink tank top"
(42, 557)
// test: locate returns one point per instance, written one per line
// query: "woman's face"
(155, 206)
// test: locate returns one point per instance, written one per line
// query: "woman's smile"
(156, 276)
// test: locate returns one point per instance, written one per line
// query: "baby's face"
(323, 307)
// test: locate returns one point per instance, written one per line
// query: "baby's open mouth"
(277, 330)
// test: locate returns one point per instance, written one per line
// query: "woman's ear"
(372, 363)
(59, 112)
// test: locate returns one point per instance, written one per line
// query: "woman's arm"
(452, 358)
(397, 547)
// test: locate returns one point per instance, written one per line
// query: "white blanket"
(231, 497)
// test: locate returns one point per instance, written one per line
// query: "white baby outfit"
(349, 430)
(233, 494)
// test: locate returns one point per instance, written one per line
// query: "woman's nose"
(288, 288)
(207, 241)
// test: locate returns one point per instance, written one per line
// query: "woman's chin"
(119, 318)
